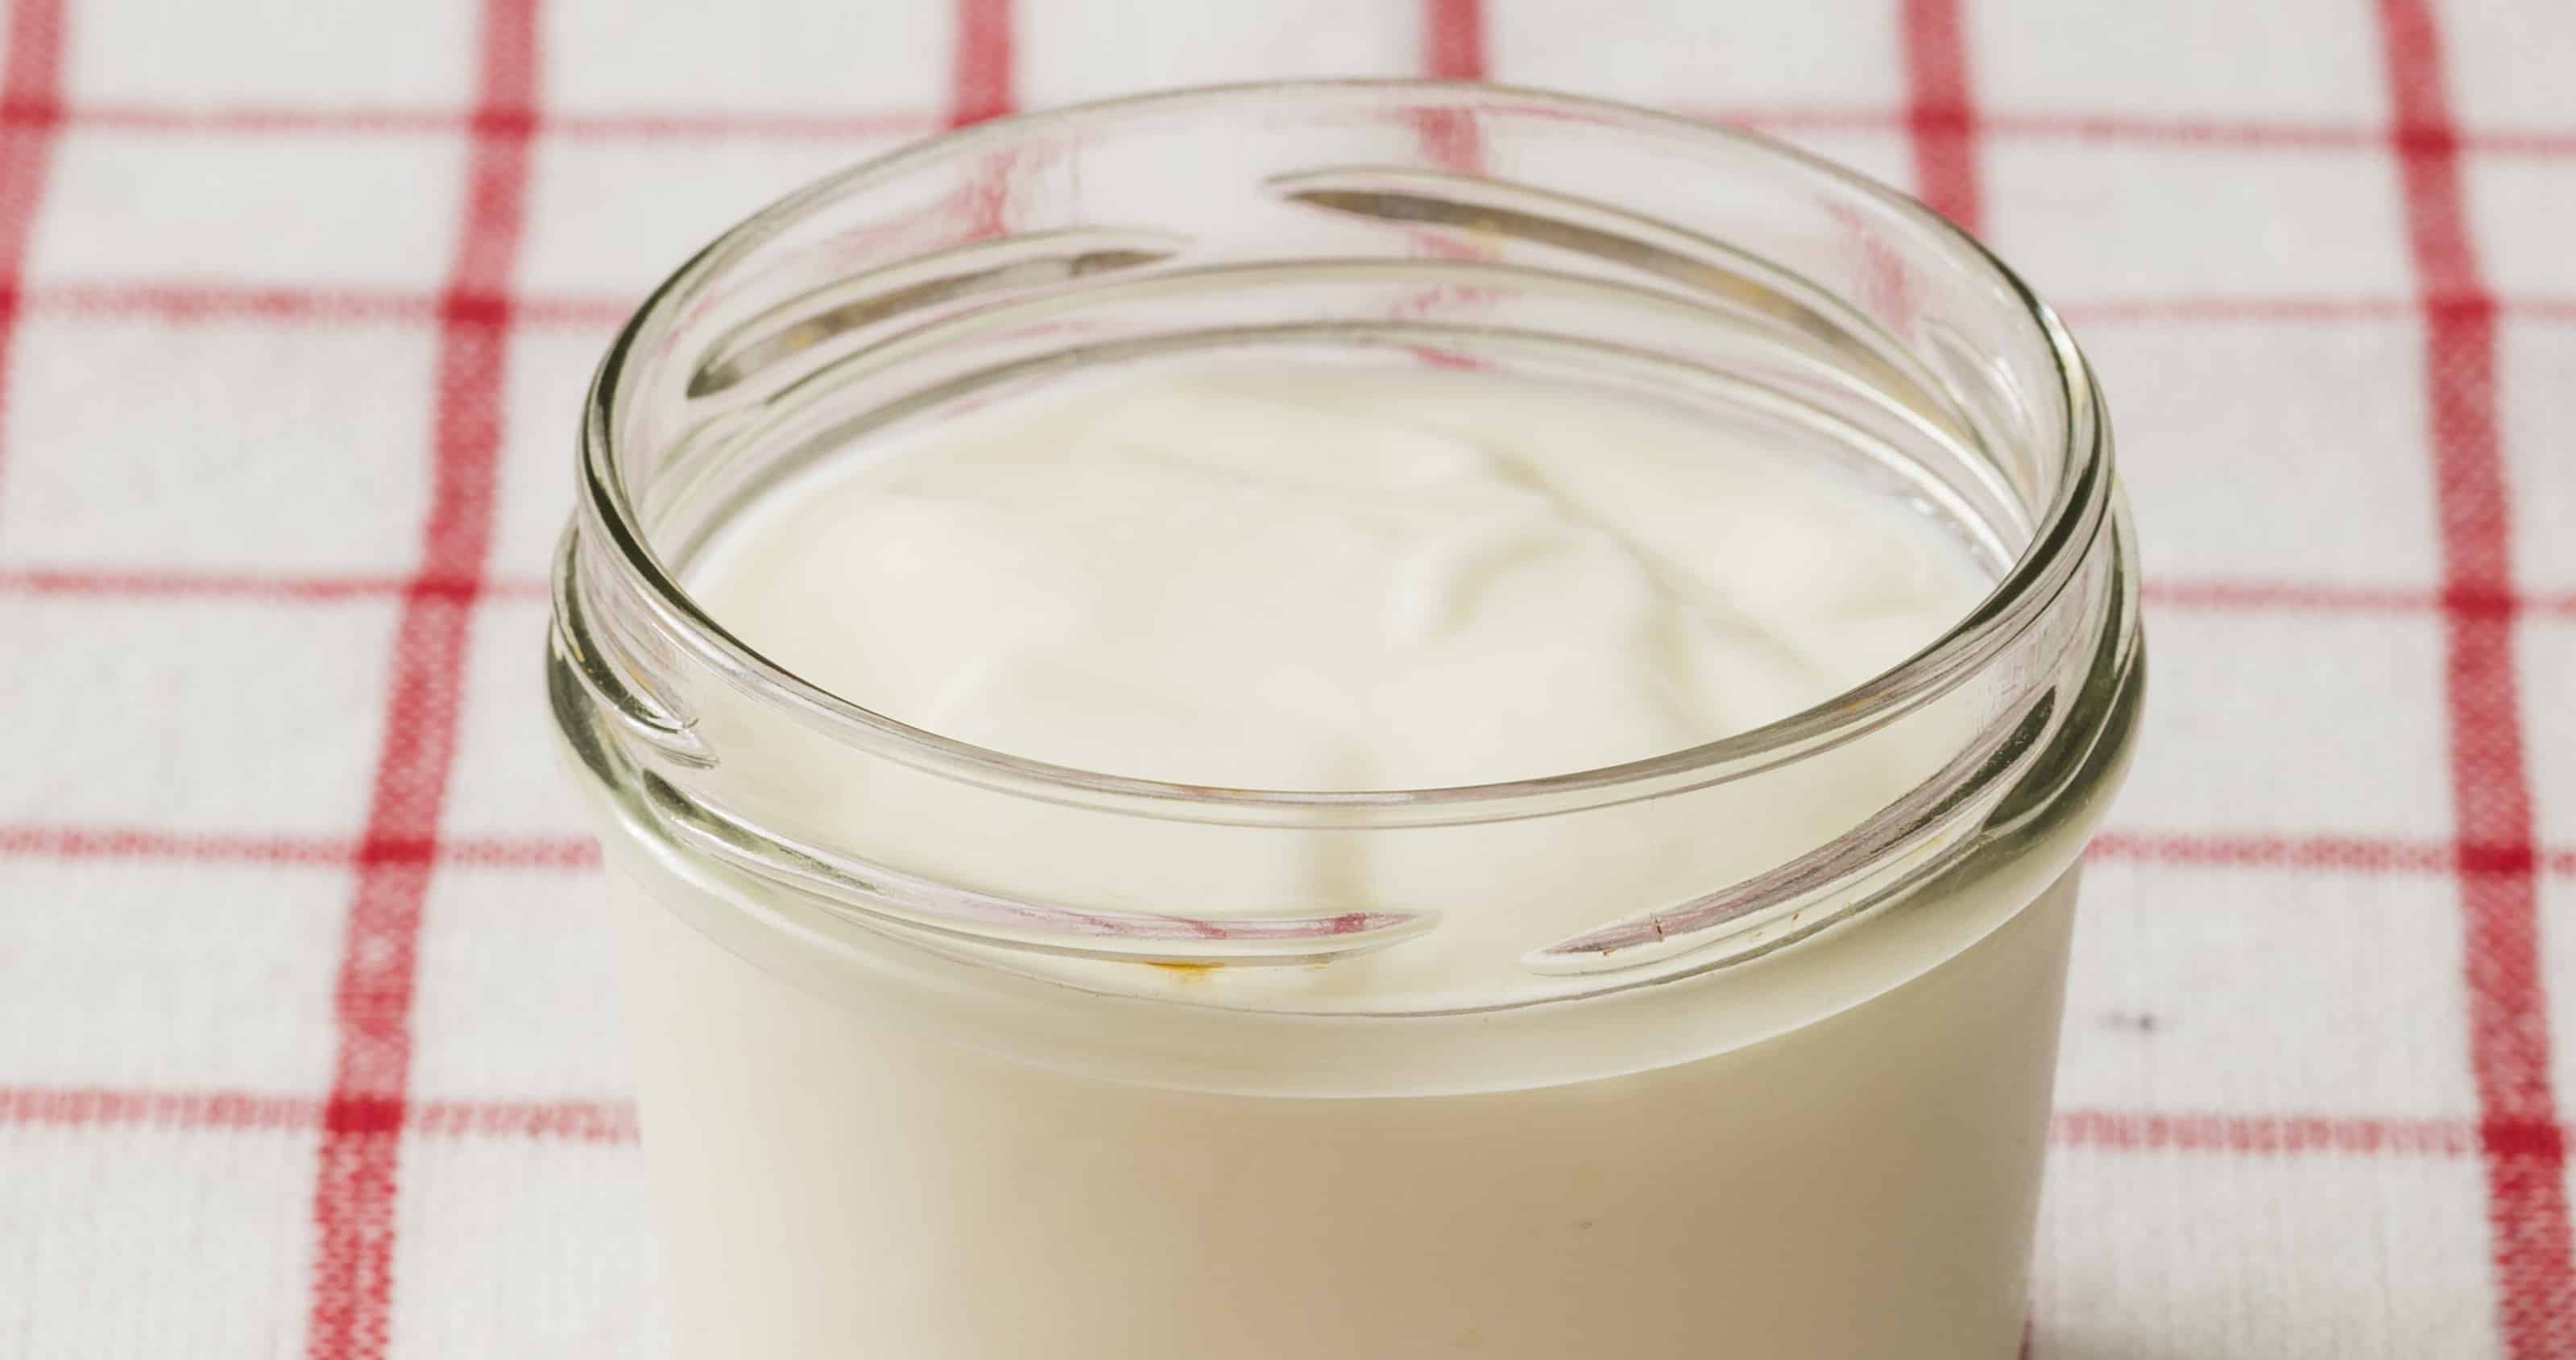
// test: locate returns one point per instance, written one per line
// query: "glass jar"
(959, 1083)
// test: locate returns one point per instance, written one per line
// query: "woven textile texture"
(306, 1044)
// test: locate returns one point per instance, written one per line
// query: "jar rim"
(2063, 531)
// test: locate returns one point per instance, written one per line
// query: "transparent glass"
(1786, 1101)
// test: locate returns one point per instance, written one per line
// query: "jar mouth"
(2062, 532)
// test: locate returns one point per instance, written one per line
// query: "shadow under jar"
(943, 1080)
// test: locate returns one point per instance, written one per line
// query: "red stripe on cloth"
(356, 1179)
(981, 80)
(2534, 142)
(2295, 597)
(871, 124)
(41, 581)
(399, 120)
(2317, 597)
(1939, 114)
(1453, 48)
(176, 585)
(134, 843)
(2261, 1135)
(2350, 854)
(2225, 134)
(31, 87)
(183, 301)
(586, 1121)
(2292, 309)
(598, 1121)
(186, 301)
(494, 852)
(2490, 781)
(90, 1106)
(2222, 596)
(145, 844)
(2133, 311)
(2180, 133)
(1453, 39)
(754, 124)
(981, 87)
(2344, 854)
(267, 119)
(583, 1121)
(574, 313)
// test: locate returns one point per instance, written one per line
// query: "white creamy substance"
(1327, 578)
(1308, 577)
(1296, 576)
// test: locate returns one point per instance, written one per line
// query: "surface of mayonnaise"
(1305, 576)
(1312, 577)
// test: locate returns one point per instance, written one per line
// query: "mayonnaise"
(1308, 577)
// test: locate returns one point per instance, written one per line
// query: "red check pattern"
(305, 1043)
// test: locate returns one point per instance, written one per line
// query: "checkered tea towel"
(305, 1045)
